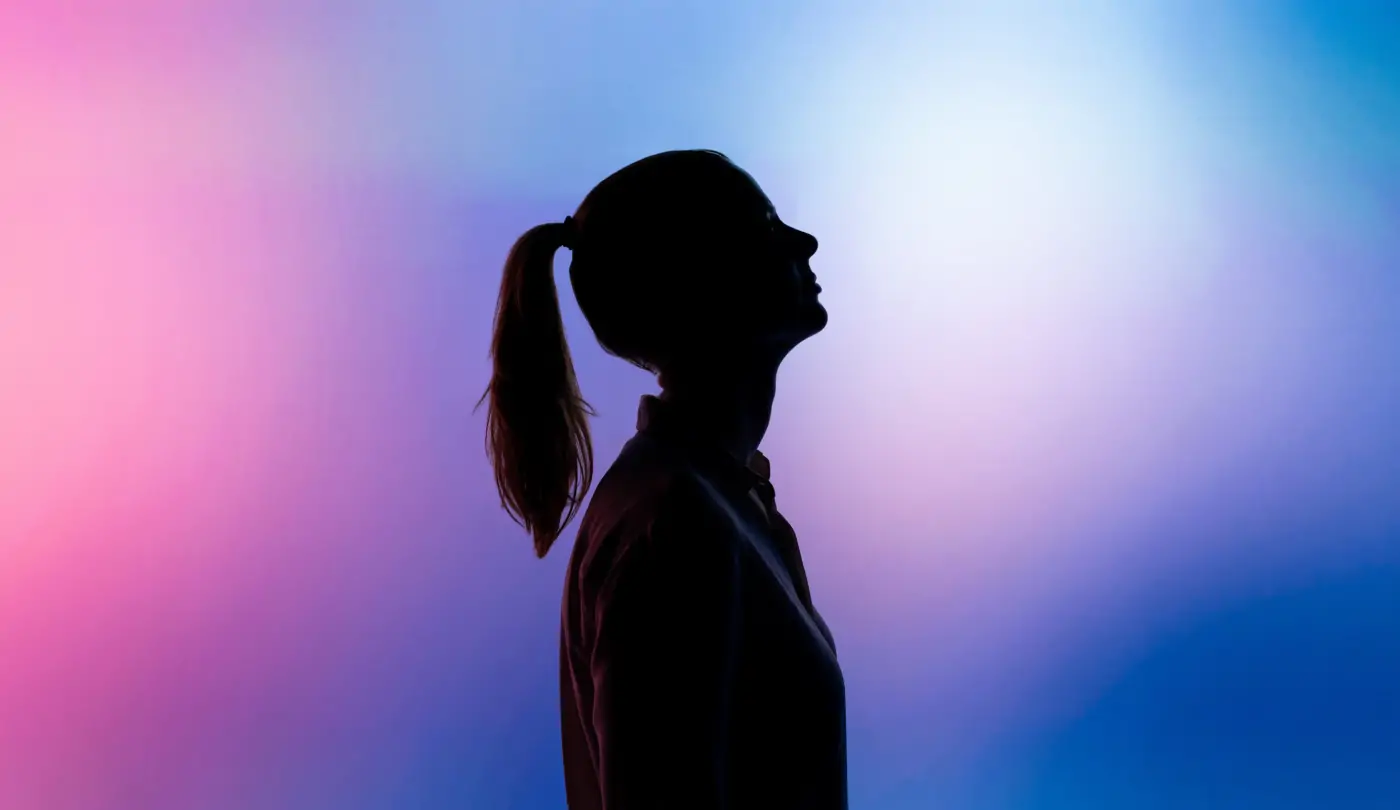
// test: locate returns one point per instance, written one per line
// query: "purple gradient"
(1097, 467)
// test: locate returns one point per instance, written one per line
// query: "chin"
(795, 325)
(810, 320)
(816, 316)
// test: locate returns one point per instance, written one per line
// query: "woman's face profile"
(762, 274)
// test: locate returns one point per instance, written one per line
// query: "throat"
(735, 421)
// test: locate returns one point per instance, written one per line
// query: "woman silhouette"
(694, 670)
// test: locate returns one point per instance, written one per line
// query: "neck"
(733, 403)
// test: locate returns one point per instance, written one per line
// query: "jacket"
(695, 672)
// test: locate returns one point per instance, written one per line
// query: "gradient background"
(1097, 467)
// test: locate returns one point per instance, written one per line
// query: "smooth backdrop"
(1097, 467)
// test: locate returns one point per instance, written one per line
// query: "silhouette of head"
(681, 266)
(680, 260)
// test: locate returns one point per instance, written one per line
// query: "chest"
(777, 623)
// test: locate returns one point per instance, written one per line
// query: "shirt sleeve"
(666, 624)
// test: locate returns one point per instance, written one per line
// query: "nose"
(804, 243)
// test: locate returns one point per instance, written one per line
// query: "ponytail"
(537, 423)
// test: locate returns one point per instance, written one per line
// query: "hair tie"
(570, 233)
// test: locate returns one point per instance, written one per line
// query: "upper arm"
(662, 666)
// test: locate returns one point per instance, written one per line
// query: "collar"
(670, 424)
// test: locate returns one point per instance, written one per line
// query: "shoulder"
(649, 483)
(651, 509)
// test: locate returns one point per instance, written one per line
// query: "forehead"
(742, 196)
